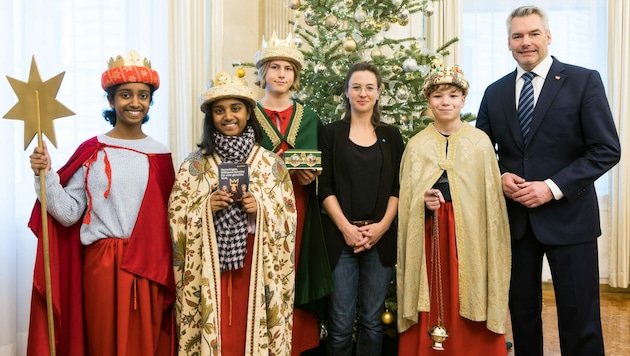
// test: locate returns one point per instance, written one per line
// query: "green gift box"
(303, 159)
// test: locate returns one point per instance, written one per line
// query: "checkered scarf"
(231, 224)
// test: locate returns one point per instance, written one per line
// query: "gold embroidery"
(295, 124)
(268, 128)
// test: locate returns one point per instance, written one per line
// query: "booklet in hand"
(234, 179)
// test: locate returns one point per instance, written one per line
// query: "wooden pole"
(42, 200)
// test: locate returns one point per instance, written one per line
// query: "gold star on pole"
(29, 94)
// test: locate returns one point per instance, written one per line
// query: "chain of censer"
(436, 272)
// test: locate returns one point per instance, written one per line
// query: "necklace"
(438, 332)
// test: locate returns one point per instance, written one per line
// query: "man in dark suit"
(550, 156)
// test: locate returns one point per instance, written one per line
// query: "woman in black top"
(359, 194)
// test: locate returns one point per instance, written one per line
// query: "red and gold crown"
(279, 49)
(440, 75)
(223, 87)
(133, 69)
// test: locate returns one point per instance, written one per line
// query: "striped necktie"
(526, 105)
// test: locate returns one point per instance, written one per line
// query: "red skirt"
(234, 299)
(466, 337)
(123, 312)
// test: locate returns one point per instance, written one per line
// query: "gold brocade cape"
(196, 259)
(481, 225)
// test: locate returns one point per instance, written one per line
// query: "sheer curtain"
(619, 84)
(195, 53)
(75, 37)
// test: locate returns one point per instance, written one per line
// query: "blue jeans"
(357, 275)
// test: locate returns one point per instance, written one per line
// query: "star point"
(26, 108)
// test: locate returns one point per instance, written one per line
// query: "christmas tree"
(335, 34)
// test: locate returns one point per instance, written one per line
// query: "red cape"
(149, 254)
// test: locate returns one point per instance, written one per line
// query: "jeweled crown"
(440, 75)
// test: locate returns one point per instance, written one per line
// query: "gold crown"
(133, 59)
(277, 48)
(233, 181)
(225, 87)
(440, 75)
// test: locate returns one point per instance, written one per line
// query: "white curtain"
(76, 37)
(444, 25)
(196, 53)
(618, 93)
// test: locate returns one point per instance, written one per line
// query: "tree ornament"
(240, 73)
(370, 22)
(379, 26)
(294, 4)
(402, 93)
(410, 65)
(319, 68)
(376, 53)
(309, 13)
(397, 3)
(387, 317)
(360, 15)
(386, 26)
(428, 10)
(403, 14)
(349, 44)
(347, 2)
(309, 22)
(297, 41)
(394, 18)
(331, 21)
(402, 22)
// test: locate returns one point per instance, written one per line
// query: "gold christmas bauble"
(387, 317)
(349, 44)
(331, 21)
(402, 22)
(376, 53)
(294, 4)
(240, 72)
(370, 22)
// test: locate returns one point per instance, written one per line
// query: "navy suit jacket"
(573, 141)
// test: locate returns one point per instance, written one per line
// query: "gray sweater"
(114, 216)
